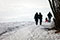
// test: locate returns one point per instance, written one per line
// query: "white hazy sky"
(17, 10)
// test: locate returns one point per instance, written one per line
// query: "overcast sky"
(16, 10)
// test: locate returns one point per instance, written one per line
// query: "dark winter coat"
(36, 17)
(40, 17)
(49, 15)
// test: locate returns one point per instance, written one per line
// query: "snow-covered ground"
(27, 31)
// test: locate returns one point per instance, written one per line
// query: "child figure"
(46, 20)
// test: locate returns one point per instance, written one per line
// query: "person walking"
(36, 18)
(40, 18)
(49, 16)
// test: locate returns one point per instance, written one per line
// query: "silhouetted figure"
(46, 20)
(49, 16)
(36, 18)
(40, 18)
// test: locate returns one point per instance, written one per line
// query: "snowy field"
(27, 31)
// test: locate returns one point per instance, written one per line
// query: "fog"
(22, 10)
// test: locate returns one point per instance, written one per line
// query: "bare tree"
(55, 7)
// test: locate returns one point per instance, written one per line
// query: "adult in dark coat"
(36, 18)
(40, 18)
(49, 16)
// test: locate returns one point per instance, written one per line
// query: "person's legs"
(50, 20)
(36, 22)
(40, 21)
